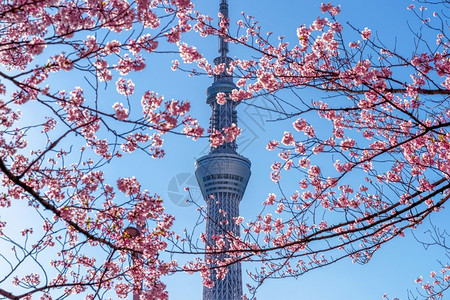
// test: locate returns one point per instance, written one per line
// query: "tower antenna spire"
(223, 44)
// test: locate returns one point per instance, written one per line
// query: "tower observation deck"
(222, 175)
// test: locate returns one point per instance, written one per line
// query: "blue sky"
(393, 268)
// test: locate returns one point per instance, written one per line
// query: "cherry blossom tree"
(382, 123)
(57, 137)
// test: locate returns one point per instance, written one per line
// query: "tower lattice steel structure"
(223, 175)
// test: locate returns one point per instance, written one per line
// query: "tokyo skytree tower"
(223, 175)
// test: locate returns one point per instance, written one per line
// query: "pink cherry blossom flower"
(125, 87)
(288, 139)
(272, 145)
(231, 133)
(270, 199)
(221, 99)
(189, 54)
(354, 45)
(216, 138)
(366, 33)
(304, 162)
(175, 64)
(120, 112)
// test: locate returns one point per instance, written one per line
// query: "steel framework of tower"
(223, 175)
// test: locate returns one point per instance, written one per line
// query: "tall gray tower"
(223, 175)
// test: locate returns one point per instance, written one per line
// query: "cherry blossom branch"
(8, 295)
(56, 211)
